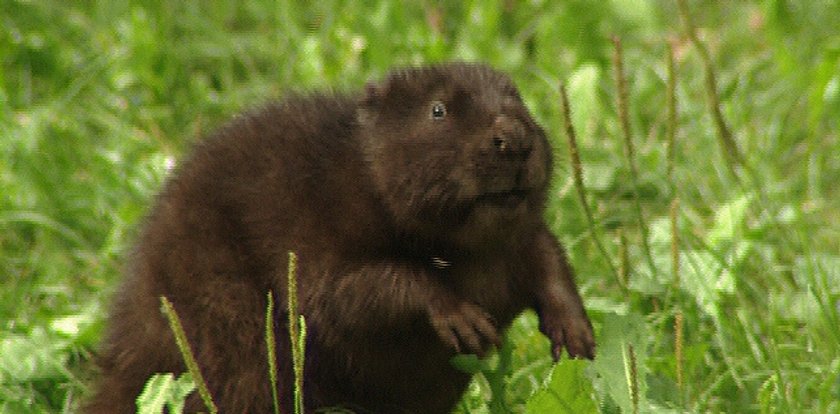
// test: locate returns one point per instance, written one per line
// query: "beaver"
(415, 208)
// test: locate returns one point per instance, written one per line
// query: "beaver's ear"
(398, 87)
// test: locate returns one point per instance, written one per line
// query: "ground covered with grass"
(707, 243)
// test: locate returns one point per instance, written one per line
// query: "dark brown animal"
(416, 211)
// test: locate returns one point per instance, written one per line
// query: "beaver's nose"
(509, 137)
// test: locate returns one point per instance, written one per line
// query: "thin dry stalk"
(678, 350)
(671, 128)
(675, 242)
(632, 377)
(624, 260)
(629, 150)
(577, 174)
(724, 134)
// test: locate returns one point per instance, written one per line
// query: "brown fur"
(417, 238)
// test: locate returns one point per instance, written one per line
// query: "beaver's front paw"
(464, 326)
(572, 331)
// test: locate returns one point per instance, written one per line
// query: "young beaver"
(416, 213)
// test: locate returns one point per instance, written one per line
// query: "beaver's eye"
(438, 110)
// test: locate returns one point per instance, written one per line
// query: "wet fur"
(417, 238)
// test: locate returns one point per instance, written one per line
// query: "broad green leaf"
(613, 366)
(163, 390)
(729, 219)
(705, 278)
(29, 358)
(472, 364)
(155, 394)
(568, 390)
(583, 96)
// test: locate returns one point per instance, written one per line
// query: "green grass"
(97, 100)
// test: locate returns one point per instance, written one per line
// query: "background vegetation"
(98, 100)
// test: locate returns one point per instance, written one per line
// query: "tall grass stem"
(727, 142)
(631, 369)
(271, 347)
(675, 241)
(577, 174)
(187, 354)
(629, 150)
(678, 352)
(297, 334)
(671, 125)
